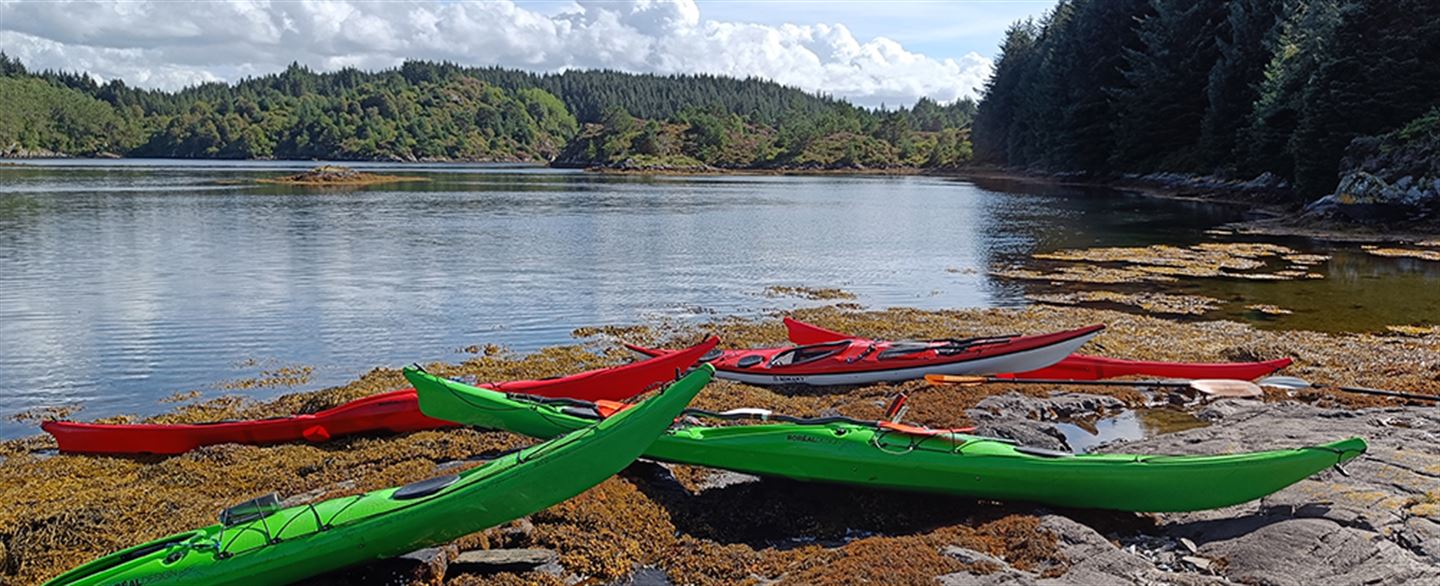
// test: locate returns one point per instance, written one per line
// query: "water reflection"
(125, 281)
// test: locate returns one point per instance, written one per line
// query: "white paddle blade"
(1227, 388)
(1284, 382)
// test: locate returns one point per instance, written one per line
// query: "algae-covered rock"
(335, 175)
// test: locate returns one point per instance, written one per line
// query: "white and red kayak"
(1084, 367)
(854, 361)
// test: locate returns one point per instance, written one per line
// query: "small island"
(335, 175)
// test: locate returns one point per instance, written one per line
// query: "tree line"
(442, 111)
(1234, 88)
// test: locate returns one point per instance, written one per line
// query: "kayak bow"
(392, 412)
(883, 455)
(258, 542)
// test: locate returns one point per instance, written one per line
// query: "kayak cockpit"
(807, 354)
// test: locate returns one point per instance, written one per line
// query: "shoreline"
(1274, 212)
(669, 524)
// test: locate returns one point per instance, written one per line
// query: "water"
(1129, 425)
(122, 282)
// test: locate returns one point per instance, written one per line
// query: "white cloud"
(171, 44)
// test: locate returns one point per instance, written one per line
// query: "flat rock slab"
(1378, 525)
(487, 561)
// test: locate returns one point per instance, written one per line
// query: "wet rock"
(1060, 406)
(1023, 418)
(489, 561)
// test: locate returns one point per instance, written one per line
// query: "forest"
(425, 111)
(1275, 89)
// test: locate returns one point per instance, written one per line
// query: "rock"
(422, 567)
(490, 561)
(1021, 417)
(971, 557)
(645, 576)
(1060, 406)
(1317, 551)
(1387, 177)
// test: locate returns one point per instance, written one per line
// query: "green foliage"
(442, 111)
(38, 116)
(1235, 87)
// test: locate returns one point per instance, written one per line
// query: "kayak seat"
(424, 488)
(1043, 452)
(250, 510)
(903, 349)
(749, 361)
(582, 412)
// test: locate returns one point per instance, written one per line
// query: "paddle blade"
(1227, 388)
(1284, 382)
(951, 379)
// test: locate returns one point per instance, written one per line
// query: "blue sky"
(871, 53)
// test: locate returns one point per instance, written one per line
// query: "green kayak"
(258, 542)
(887, 455)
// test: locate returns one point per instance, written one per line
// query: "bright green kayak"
(849, 451)
(260, 543)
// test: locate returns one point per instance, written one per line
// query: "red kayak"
(854, 361)
(392, 412)
(1083, 367)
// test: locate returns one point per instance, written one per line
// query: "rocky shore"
(659, 524)
(337, 176)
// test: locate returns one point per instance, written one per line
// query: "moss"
(814, 293)
(60, 511)
(1403, 253)
(335, 175)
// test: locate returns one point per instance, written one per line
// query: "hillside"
(1230, 88)
(424, 111)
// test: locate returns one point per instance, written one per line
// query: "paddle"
(1209, 386)
(1293, 383)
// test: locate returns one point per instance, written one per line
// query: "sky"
(869, 52)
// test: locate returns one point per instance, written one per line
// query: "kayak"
(860, 362)
(391, 412)
(1084, 367)
(260, 542)
(897, 456)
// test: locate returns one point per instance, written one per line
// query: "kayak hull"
(391, 412)
(868, 454)
(285, 545)
(1084, 367)
(1081, 366)
(861, 362)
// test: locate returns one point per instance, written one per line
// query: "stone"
(425, 567)
(489, 561)
(971, 557)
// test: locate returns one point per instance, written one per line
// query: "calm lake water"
(122, 282)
